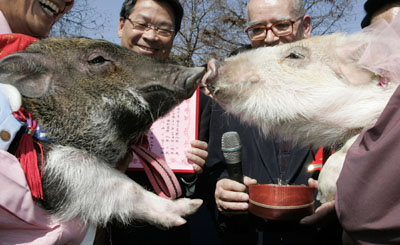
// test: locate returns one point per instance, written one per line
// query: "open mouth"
(49, 7)
(155, 89)
(146, 49)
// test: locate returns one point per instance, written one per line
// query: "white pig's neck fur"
(319, 125)
(103, 193)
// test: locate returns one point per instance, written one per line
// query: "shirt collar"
(4, 27)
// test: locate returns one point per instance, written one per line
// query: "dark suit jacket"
(259, 161)
(142, 233)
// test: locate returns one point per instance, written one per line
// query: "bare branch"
(216, 28)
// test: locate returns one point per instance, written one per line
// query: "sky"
(109, 11)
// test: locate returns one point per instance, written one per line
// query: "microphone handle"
(235, 171)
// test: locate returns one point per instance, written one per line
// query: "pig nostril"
(254, 79)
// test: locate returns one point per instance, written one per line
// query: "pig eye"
(97, 60)
(295, 55)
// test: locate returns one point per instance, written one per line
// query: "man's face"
(148, 42)
(387, 13)
(269, 12)
(34, 17)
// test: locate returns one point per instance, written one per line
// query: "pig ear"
(348, 56)
(28, 72)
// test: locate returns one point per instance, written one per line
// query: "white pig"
(318, 91)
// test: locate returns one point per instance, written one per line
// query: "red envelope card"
(169, 137)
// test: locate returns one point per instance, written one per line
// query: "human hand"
(323, 214)
(197, 155)
(230, 196)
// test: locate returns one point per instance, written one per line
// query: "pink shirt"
(4, 27)
(22, 220)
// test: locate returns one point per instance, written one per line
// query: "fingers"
(230, 196)
(324, 214)
(199, 144)
(313, 183)
(198, 155)
(249, 181)
(326, 207)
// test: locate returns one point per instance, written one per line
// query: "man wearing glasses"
(276, 22)
(264, 160)
(149, 27)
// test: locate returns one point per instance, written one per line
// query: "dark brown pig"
(94, 99)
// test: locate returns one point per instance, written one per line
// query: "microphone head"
(231, 147)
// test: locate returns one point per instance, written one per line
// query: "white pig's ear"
(374, 50)
(28, 72)
(347, 56)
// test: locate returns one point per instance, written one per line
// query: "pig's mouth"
(210, 78)
(155, 89)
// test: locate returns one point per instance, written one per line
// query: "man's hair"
(128, 5)
(373, 6)
(298, 8)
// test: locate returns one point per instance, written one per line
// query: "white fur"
(309, 102)
(330, 173)
(313, 92)
(98, 181)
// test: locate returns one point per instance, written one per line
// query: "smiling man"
(32, 17)
(149, 27)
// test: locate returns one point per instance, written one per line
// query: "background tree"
(209, 28)
(82, 18)
(216, 28)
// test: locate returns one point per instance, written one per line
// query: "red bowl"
(281, 202)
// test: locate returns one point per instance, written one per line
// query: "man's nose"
(150, 34)
(270, 38)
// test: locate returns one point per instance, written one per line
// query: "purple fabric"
(368, 188)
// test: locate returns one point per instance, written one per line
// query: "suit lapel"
(267, 151)
(298, 161)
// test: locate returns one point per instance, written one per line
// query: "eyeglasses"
(280, 29)
(164, 32)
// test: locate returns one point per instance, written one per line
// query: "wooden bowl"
(281, 202)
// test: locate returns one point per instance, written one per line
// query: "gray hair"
(298, 8)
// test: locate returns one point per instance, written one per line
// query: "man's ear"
(307, 26)
(121, 27)
(30, 73)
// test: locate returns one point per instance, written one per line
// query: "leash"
(160, 175)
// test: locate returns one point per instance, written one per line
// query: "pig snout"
(185, 82)
(193, 79)
(170, 85)
(211, 76)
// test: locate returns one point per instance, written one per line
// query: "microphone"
(232, 151)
